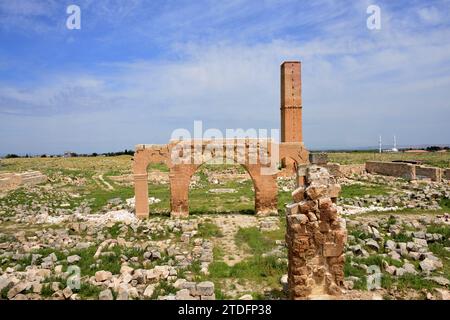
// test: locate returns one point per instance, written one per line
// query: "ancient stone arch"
(143, 156)
(264, 180)
(265, 189)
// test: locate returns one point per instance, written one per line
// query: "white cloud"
(430, 15)
(357, 84)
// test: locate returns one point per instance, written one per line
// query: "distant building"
(69, 154)
(416, 151)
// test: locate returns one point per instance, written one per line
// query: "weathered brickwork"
(291, 110)
(10, 181)
(315, 237)
(291, 102)
(266, 190)
(347, 170)
(435, 174)
(407, 171)
(291, 151)
(403, 170)
(446, 174)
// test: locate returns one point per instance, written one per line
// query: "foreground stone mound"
(315, 237)
(10, 181)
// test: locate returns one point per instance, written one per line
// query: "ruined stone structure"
(407, 171)
(315, 238)
(446, 174)
(291, 102)
(291, 150)
(291, 109)
(403, 170)
(432, 173)
(264, 180)
(9, 180)
(345, 170)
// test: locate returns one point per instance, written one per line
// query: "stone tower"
(291, 102)
(291, 109)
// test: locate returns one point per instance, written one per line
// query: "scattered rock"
(148, 292)
(106, 295)
(73, 259)
(205, 288)
(101, 276)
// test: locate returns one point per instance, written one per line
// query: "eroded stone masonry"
(291, 152)
(315, 237)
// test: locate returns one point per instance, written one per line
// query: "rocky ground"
(75, 237)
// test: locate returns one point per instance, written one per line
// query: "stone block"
(292, 208)
(298, 194)
(402, 170)
(308, 206)
(318, 158)
(331, 249)
(334, 190)
(316, 192)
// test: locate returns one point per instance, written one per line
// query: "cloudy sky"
(137, 70)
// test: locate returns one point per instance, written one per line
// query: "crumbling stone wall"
(403, 170)
(435, 174)
(291, 110)
(291, 152)
(340, 170)
(315, 237)
(9, 180)
(407, 171)
(446, 174)
(266, 191)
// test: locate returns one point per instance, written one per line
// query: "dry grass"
(438, 159)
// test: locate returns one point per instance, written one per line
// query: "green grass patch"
(209, 230)
(416, 282)
(435, 159)
(377, 260)
(88, 291)
(445, 204)
(114, 231)
(358, 234)
(163, 288)
(46, 291)
(4, 292)
(254, 239)
(401, 237)
(444, 230)
(158, 166)
(352, 271)
(256, 269)
(355, 190)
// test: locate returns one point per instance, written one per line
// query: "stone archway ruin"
(266, 191)
(316, 234)
(291, 148)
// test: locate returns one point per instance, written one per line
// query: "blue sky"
(139, 69)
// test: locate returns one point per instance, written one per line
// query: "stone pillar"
(291, 107)
(291, 102)
(141, 195)
(315, 237)
(266, 196)
(180, 177)
(266, 190)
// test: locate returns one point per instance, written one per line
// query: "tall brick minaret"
(291, 102)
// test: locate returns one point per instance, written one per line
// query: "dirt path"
(229, 225)
(103, 183)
